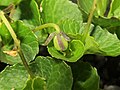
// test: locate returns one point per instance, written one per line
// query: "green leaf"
(41, 36)
(50, 75)
(70, 26)
(113, 15)
(109, 44)
(106, 16)
(29, 15)
(13, 77)
(75, 52)
(106, 22)
(114, 9)
(28, 85)
(91, 46)
(62, 12)
(117, 31)
(115, 5)
(103, 21)
(2, 56)
(55, 72)
(37, 83)
(88, 79)
(29, 43)
(86, 6)
(117, 13)
(5, 35)
(102, 7)
(82, 28)
(8, 2)
(38, 1)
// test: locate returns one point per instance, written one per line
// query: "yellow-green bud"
(60, 43)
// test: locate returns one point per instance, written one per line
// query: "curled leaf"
(75, 51)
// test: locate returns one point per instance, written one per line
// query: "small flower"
(60, 40)
(60, 43)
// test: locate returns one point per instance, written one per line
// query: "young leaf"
(109, 44)
(13, 77)
(55, 72)
(76, 51)
(91, 46)
(82, 28)
(88, 79)
(29, 43)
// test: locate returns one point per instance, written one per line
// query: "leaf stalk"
(55, 26)
(87, 27)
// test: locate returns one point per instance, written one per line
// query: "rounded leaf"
(55, 72)
(13, 78)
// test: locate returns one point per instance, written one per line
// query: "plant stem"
(55, 26)
(25, 63)
(17, 43)
(87, 27)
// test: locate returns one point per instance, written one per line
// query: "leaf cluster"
(53, 72)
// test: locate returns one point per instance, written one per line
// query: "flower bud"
(60, 43)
